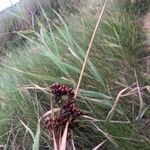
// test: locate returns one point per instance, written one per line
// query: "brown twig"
(89, 48)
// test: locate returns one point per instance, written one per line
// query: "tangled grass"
(113, 92)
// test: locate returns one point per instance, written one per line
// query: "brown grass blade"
(140, 97)
(111, 112)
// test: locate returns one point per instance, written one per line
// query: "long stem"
(89, 49)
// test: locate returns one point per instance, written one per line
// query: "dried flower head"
(60, 90)
(68, 112)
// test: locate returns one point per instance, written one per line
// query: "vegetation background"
(46, 43)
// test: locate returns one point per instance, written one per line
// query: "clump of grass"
(55, 53)
(136, 7)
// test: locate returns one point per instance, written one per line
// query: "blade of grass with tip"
(36, 143)
(64, 138)
(28, 129)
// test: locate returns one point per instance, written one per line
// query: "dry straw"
(89, 49)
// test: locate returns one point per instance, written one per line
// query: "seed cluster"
(60, 90)
(68, 112)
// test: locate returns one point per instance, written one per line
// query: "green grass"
(55, 53)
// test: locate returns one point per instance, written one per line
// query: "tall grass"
(55, 53)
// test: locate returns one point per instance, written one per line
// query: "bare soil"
(146, 25)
